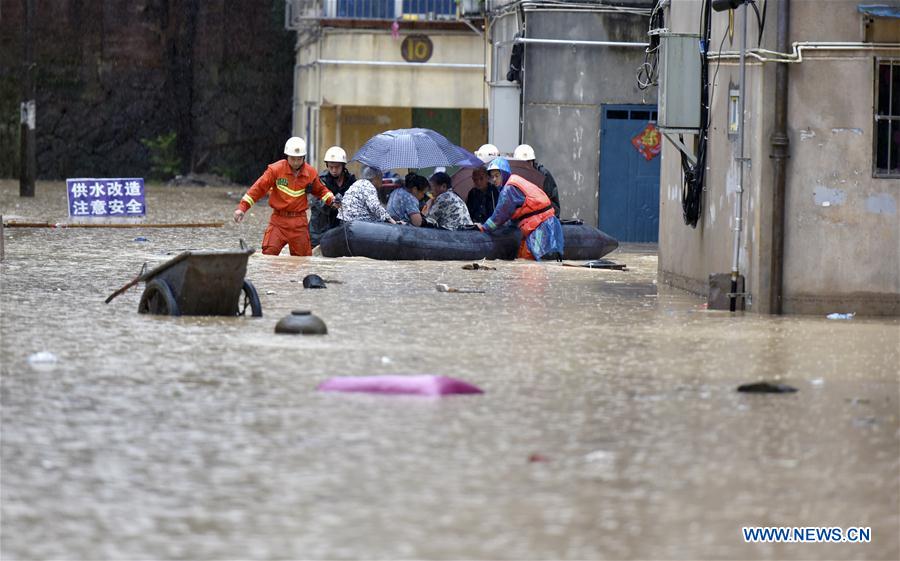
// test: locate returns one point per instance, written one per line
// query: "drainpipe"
(780, 142)
(738, 198)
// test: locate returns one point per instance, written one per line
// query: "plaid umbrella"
(413, 148)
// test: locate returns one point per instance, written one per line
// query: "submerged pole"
(27, 157)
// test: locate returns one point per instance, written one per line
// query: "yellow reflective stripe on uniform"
(327, 197)
(291, 192)
(248, 199)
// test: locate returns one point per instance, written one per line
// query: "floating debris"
(444, 288)
(478, 267)
(301, 322)
(426, 385)
(841, 316)
(313, 281)
(766, 387)
(599, 264)
(537, 458)
(43, 357)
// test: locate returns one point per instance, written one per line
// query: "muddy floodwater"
(609, 428)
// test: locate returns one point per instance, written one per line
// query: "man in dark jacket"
(526, 152)
(482, 198)
(338, 179)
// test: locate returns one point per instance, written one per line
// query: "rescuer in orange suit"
(286, 182)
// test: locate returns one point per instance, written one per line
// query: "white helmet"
(295, 146)
(523, 152)
(487, 152)
(335, 154)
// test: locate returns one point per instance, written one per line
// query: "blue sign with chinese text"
(106, 197)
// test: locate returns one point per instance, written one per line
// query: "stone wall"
(111, 73)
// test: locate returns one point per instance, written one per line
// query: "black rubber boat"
(380, 240)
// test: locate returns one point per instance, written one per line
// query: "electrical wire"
(716, 72)
(762, 23)
(695, 175)
(647, 73)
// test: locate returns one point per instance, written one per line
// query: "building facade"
(366, 66)
(562, 78)
(829, 239)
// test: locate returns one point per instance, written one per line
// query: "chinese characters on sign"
(648, 142)
(106, 198)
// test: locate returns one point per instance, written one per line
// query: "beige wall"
(406, 86)
(842, 232)
(842, 229)
(366, 100)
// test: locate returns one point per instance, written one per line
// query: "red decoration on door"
(648, 142)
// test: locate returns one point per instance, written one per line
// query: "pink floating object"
(404, 385)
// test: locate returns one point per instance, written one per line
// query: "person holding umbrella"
(287, 182)
(338, 179)
(529, 207)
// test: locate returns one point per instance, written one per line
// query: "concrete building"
(577, 102)
(366, 66)
(819, 229)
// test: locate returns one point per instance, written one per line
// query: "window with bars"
(887, 119)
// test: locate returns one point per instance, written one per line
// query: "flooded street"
(204, 438)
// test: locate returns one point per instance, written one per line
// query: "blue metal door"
(629, 183)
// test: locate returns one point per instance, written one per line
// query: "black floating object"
(766, 387)
(313, 281)
(301, 322)
(604, 264)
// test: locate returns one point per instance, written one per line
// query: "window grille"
(887, 119)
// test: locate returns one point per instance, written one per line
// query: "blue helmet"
(502, 165)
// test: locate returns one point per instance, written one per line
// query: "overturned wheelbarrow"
(199, 283)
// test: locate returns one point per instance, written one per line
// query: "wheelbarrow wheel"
(158, 299)
(249, 299)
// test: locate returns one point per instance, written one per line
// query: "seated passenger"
(403, 204)
(361, 202)
(483, 197)
(447, 210)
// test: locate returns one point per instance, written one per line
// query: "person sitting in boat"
(530, 208)
(360, 202)
(483, 197)
(447, 210)
(403, 204)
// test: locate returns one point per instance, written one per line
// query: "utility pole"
(27, 154)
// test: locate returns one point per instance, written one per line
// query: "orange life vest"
(537, 206)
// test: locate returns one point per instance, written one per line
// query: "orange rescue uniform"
(287, 197)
